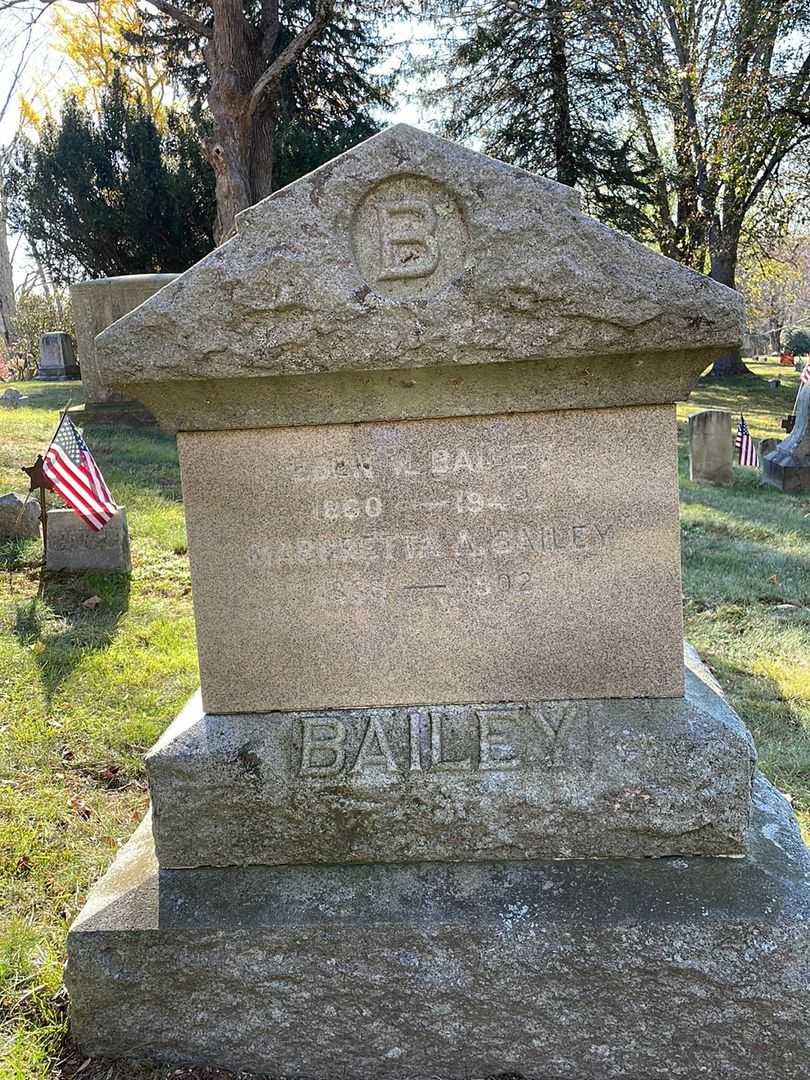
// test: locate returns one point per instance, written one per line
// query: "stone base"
(74, 547)
(461, 783)
(116, 413)
(792, 479)
(69, 374)
(650, 970)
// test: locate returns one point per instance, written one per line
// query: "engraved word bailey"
(409, 237)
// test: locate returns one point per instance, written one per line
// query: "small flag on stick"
(745, 445)
(805, 374)
(70, 467)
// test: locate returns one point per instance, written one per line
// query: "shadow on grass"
(61, 628)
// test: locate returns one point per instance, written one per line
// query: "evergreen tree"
(530, 82)
(100, 195)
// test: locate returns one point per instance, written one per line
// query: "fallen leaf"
(80, 807)
(773, 579)
(91, 602)
(38, 647)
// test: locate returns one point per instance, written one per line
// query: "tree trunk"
(723, 246)
(564, 156)
(8, 306)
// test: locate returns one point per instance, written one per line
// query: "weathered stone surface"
(73, 546)
(18, 520)
(96, 304)
(788, 466)
(711, 447)
(406, 253)
(607, 970)
(57, 360)
(458, 560)
(557, 780)
(767, 446)
(11, 398)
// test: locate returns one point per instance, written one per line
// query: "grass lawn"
(84, 691)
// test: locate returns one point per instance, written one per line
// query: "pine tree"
(106, 194)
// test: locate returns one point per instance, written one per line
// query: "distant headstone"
(774, 384)
(57, 360)
(11, 398)
(711, 447)
(788, 466)
(426, 422)
(19, 520)
(767, 446)
(96, 304)
(73, 546)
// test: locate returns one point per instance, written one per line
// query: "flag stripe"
(78, 479)
(76, 499)
(84, 480)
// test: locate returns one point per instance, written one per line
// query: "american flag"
(805, 374)
(745, 444)
(70, 467)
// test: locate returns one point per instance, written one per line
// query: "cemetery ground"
(91, 673)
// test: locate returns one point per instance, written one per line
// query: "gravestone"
(57, 360)
(19, 520)
(788, 466)
(425, 414)
(74, 547)
(711, 447)
(11, 398)
(766, 446)
(96, 304)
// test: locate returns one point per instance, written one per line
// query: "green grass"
(84, 692)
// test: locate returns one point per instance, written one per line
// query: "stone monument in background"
(96, 304)
(425, 414)
(57, 360)
(711, 447)
(787, 466)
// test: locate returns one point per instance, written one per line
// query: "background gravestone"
(711, 447)
(788, 466)
(57, 359)
(443, 688)
(72, 546)
(19, 520)
(96, 304)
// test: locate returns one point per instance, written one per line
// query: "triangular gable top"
(412, 252)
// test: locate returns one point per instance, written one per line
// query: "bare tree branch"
(291, 53)
(180, 16)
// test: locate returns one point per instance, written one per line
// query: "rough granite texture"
(411, 252)
(788, 466)
(73, 546)
(563, 779)
(615, 970)
(711, 447)
(497, 558)
(19, 520)
(96, 304)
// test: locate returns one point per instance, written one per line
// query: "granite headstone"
(57, 359)
(425, 412)
(711, 447)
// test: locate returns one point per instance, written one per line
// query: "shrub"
(796, 339)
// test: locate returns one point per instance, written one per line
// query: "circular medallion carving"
(409, 237)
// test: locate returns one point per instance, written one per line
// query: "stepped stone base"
(456, 783)
(608, 970)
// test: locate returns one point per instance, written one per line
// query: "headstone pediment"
(410, 252)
